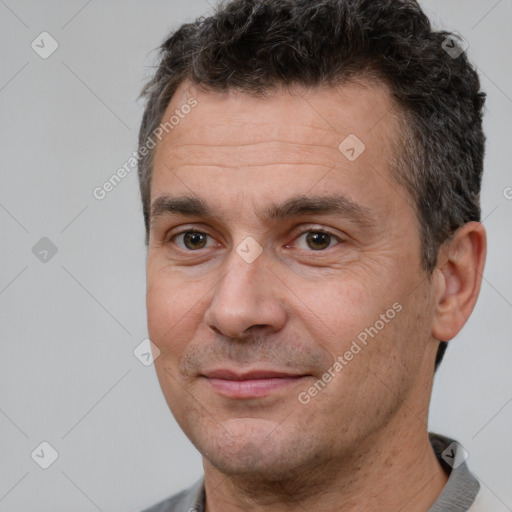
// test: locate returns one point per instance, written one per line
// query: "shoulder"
(189, 500)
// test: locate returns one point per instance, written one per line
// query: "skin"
(361, 442)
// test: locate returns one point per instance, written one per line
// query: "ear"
(458, 279)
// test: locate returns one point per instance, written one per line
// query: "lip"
(256, 383)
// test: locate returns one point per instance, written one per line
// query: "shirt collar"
(462, 487)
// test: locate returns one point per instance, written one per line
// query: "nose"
(247, 297)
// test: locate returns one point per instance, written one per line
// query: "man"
(310, 174)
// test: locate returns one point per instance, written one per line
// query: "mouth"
(250, 384)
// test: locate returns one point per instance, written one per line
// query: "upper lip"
(228, 374)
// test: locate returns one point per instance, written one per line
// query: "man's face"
(272, 250)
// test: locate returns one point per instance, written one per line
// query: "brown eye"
(194, 240)
(318, 240)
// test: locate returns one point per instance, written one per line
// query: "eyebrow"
(187, 206)
(191, 206)
(320, 205)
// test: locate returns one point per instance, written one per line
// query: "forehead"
(324, 113)
(296, 139)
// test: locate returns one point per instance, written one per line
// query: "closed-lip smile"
(254, 383)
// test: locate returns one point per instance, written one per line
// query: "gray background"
(69, 325)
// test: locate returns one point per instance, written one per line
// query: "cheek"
(338, 309)
(173, 315)
(172, 312)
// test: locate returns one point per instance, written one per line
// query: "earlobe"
(458, 279)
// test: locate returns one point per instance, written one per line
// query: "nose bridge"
(243, 297)
(237, 291)
(240, 280)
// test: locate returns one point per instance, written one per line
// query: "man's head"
(315, 196)
(254, 46)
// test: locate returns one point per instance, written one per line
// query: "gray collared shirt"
(458, 495)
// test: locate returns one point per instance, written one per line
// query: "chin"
(251, 462)
(251, 447)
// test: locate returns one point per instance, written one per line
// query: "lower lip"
(255, 388)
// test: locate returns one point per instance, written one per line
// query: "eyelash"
(332, 235)
(172, 238)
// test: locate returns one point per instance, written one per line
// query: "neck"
(396, 469)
